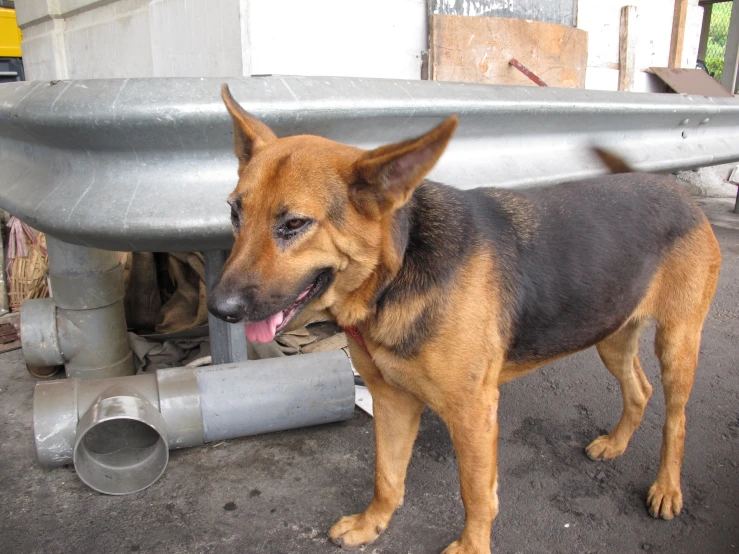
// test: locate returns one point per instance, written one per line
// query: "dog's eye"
(295, 224)
(235, 219)
(292, 227)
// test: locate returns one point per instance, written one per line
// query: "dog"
(412, 269)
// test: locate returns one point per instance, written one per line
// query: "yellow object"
(10, 35)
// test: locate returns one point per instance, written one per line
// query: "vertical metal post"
(731, 56)
(227, 340)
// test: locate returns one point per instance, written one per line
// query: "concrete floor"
(280, 493)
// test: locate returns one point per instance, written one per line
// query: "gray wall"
(563, 12)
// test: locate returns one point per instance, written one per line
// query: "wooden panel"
(478, 49)
(627, 48)
(552, 11)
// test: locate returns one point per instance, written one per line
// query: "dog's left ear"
(250, 134)
(386, 177)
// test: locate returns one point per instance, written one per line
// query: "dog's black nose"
(226, 305)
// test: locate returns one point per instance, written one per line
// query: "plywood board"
(478, 49)
(690, 81)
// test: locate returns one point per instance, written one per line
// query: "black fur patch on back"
(597, 246)
(572, 261)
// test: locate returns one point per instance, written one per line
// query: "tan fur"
(457, 377)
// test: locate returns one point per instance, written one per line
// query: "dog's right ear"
(250, 134)
(385, 178)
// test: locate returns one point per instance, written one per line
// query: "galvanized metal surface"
(39, 335)
(121, 443)
(84, 325)
(146, 164)
(179, 402)
(264, 396)
(117, 430)
(55, 418)
(58, 405)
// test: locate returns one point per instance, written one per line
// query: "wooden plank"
(705, 30)
(679, 17)
(478, 49)
(627, 40)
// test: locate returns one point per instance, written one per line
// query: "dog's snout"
(226, 304)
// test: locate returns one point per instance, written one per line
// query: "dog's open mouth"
(265, 330)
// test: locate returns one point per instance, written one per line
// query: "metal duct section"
(117, 431)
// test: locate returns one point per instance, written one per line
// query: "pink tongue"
(263, 331)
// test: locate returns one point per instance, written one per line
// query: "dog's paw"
(604, 448)
(664, 501)
(355, 532)
(458, 548)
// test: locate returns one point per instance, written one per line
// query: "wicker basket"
(27, 266)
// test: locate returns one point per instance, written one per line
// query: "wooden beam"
(679, 18)
(627, 48)
(705, 29)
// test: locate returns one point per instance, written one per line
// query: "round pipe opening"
(120, 453)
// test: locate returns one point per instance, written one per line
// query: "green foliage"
(715, 66)
(717, 33)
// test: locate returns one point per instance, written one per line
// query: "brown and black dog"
(414, 268)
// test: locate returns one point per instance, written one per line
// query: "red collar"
(353, 332)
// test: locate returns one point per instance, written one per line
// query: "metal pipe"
(84, 325)
(121, 443)
(117, 431)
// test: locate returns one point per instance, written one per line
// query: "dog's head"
(312, 221)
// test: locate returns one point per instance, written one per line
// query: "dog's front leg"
(473, 424)
(397, 415)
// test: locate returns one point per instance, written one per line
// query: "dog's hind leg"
(619, 353)
(681, 303)
(677, 349)
(397, 416)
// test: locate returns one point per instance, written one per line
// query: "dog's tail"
(613, 162)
